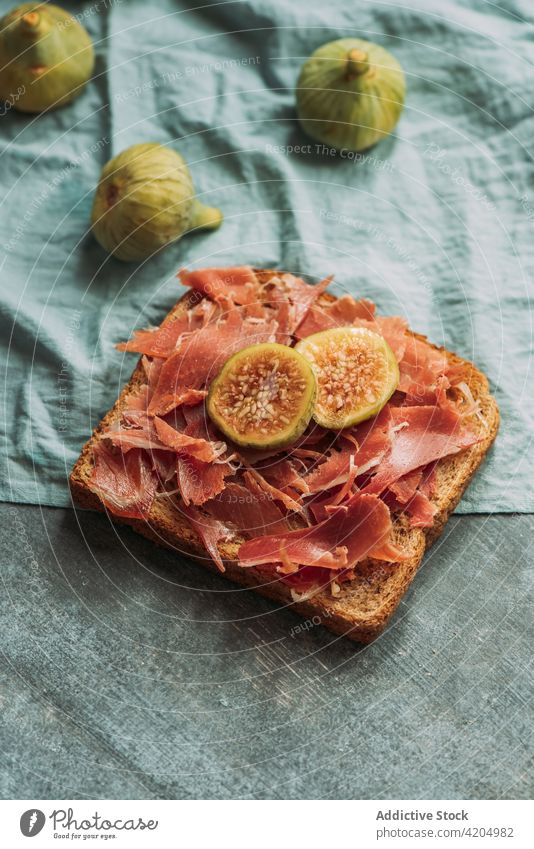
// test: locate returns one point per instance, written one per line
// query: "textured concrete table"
(129, 675)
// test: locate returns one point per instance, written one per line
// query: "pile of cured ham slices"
(311, 512)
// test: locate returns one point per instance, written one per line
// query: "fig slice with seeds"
(264, 396)
(356, 373)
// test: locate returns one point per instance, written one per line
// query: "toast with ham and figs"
(334, 526)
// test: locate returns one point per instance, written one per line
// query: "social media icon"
(32, 822)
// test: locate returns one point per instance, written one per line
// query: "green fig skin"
(46, 57)
(145, 199)
(350, 94)
(298, 411)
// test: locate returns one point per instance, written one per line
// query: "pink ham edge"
(303, 296)
(424, 434)
(271, 491)
(238, 284)
(195, 447)
(247, 509)
(198, 482)
(199, 358)
(210, 531)
(354, 532)
(373, 439)
(283, 475)
(405, 487)
(420, 368)
(421, 510)
(162, 341)
(125, 483)
(340, 313)
(153, 434)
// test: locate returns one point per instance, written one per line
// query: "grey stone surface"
(130, 673)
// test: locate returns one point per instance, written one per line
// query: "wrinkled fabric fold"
(435, 223)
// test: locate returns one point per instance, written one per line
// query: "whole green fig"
(46, 57)
(145, 200)
(350, 94)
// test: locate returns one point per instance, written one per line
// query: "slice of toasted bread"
(365, 604)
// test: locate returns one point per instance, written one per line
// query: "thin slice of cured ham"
(429, 484)
(394, 330)
(164, 464)
(239, 284)
(198, 481)
(420, 368)
(157, 342)
(339, 313)
(321, 507)
(429, 395)
(283, 474)
(252, 476)
(368, 444)
(200, 448)
(409, 494)
(154, 434)
(404, 488)
(248, 509)
(137, 400)
(333, 471)
(196, 420)
(197, 423)
(127, 438)
(346, 309)
(200, 357)
(422, 435)
(163, 340)
(285, 315)
(418, 508)
(211, 531)
(421, 511)
(373, 439)
(126, 483)
(137, 430)
(357, 530)
(300, 295)
(312, 435)
(152, 369)
(308, 580)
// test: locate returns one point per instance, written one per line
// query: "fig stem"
(357, 63)
(31, 18)
(205, 217)
(32, 26)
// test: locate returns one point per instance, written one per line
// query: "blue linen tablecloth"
(435, 223)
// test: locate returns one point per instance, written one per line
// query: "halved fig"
(356, 373)
(263, 396)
